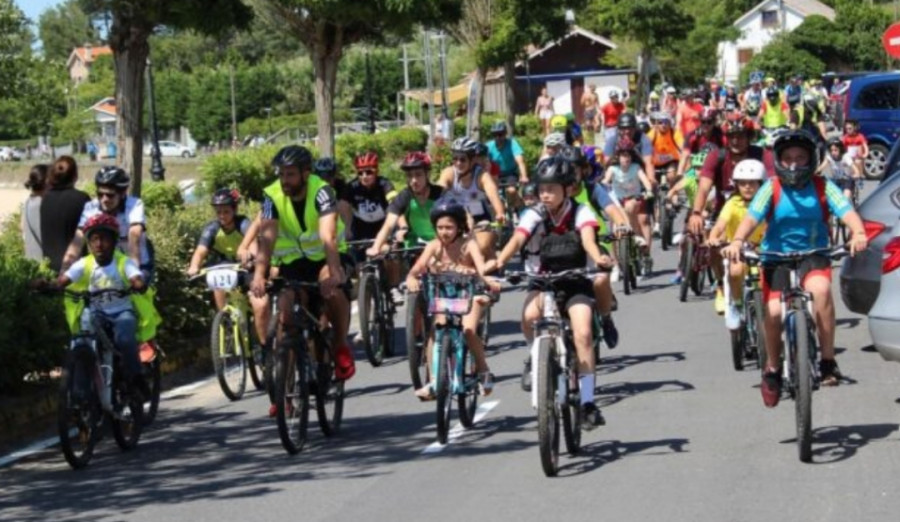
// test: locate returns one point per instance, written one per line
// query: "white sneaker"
(616, 274)
(676, 240)
(639, 240)
(358, 338)
(656, 229)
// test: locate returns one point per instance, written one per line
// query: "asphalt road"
(687, 439)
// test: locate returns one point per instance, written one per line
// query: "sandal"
(485, 383)
(426, 393)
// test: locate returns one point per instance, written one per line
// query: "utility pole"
(445, 108)
(234, 135)
(370, 111)
(429, 85)
(157, 171)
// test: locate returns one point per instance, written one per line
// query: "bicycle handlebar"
(791, 258)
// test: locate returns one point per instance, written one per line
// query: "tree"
(327, 29)
(133, 22)
(15, 46)
(821, 37)
(862, 24)
(63, 28)
(781, 60)
(655, 24)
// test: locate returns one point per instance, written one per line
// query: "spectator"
(611, 111)
(61, 209)
(31, 212)
(543, 108)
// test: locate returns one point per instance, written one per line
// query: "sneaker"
(610, 333)
(677, 239)
(771, 389)
(656, 229)
(830, 373)
(358, 339)
(720, 301)
(273, 410)
(345, 366)
(616, 274)
(676, 279)
(485, 383)
(526, 376)
(591, 416)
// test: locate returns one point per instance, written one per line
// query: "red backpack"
(818, 183)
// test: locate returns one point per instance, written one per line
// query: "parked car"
(874, 101)
(870, 281)
(10, 154)
(171, 148)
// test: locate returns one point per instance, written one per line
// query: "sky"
(34, 8)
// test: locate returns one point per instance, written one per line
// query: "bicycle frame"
(554, 327)
(452, 327)
(796, 300)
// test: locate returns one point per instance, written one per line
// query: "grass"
(177, 169)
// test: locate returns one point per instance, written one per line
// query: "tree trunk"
(480, 75)
(130, 52)
(326, 52)
(643, 80)
(509, 79)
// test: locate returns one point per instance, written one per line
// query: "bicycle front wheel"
(623, 252)
(687, 268)
(737, 348)
(78, 412)
(467, 399)
(548, 410)
(256, 359)
(292, 399)
(443, 392)
(804, 385)
(329, 390)
(229, 362)
(571, 410)
(128, 421)
(665, 232)
(369, 325)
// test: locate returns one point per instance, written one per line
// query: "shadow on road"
(617, 363)
(836, 443)
(614, 393)
(597, 454)
(848, 322)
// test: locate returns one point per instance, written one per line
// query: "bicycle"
(92, 389)
(505, 232)
(669, 213)
(451, 295)
(840, 234)
(695, 263)
(628, 255)
(306, 369)
(555, 393)
(745, 324)
(233, 343)
(799, 369)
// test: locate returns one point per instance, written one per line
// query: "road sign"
(891, 40)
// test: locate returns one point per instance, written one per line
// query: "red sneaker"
(771, 389)
(345, 366)
(273, 410)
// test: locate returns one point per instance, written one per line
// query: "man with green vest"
(302, 234)
(774, 113)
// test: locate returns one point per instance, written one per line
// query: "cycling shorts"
(642, 206)
(776, 278)
(569, 293)
(307, 271)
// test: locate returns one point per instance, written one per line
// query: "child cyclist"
(748, 176)
(856, 144)
(627, 179)
(451, 251)
(840, 167)
(563, 233)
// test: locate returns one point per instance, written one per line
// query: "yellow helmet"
(558, 122)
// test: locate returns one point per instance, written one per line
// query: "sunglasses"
(462, 159)
(367, 173)
(106, 195)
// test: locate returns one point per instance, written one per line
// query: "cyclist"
(706, 136)
(856, 144)
(113, 199)
(670, 102)
(301, 229)
(107, 268)
(840, 168)
(574, 134)
(327, 169)
(529, 194)
(730, 102)
(795, 205)
(643, 147)
(716, 172)
(688, 118)
(632, 187)
(774, 113)
(367, 197)
(506, 152)
(666, 147)
(553, 143)
(464, 182)
(751, 99)
(793, 91)
(611, 111)
(809, 115)
(561, 234)
(654, 104)
(450, 251)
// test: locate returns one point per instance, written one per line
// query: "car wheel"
(185, 154)
(876, 161)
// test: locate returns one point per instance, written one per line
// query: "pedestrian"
(543, 108)
(31, 211)
(60, 210)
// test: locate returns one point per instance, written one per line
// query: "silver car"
(870, 282)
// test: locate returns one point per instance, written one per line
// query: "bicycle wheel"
(128, 420)
(687, 268)
(467, 401)
(415, 344)
(229, 362)
(759, 328)
(256, 360)
(292, 398)
(623, 253)
(329, 390)
(803, 383)
(548, 410)
(571, 410)
(444, 399)
(369, 324)
(269, 357)
(737, 348)
(78, 410)
(153, 374)
(484, 326)
(388, 311)
(699, 280)
(665, 232)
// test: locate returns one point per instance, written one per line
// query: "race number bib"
(222, 279)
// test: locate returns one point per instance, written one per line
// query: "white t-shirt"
(107, 278)
(531, 223)
(133, 214)
(626, 184)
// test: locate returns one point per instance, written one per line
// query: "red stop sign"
(891, 40)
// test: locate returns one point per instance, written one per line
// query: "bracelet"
(696, 212)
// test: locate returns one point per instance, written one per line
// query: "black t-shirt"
(400, 204)
(369, 206)
(326, 203)
(60, 212)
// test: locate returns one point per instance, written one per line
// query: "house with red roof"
(81, 58)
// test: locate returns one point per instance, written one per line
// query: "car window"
(879, 96)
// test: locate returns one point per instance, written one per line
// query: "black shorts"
(776, 279)
(578, 290)
(307, 270)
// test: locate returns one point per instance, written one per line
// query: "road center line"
(457, 430)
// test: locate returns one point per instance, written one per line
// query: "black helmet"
(574, 154)
(481, 149)
(556, 170)
(112, 176)
(529, 189)
(499, 127)
(772, 93)
(627, 121)
(325, 168)
(795, 176)
(292, 156)
(226, 197)
(836, 142)
(449, 207)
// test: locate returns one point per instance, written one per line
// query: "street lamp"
(157, 171)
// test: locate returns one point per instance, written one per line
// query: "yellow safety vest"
(295, 242)
(774, 116)
(147, 316)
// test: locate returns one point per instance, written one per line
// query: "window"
(770, 19)
(744, 56)
(879, 96)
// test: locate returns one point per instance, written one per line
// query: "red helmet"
(416, 160)
(709, 114)
(100, 223)
(366, 161)
(735, 122)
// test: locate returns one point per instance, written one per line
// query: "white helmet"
(613, 93)
(555, 139)
(749, 170)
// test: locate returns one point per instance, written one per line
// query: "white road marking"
(457, 430)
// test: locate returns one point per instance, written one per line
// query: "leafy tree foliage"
(781, 59)
(64, 27)
(15, 46)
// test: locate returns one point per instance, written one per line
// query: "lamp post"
(157, 171)
(370, 111)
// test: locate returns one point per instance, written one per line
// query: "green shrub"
(248, 170)
(161, 195)
(528, 125)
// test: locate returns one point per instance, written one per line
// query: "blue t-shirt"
(505, 158)
(796, 223)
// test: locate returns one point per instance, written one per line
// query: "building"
(80, 60)
(104, 113)
(759, 26)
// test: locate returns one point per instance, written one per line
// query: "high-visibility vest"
(295, 242)
(774, 116)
